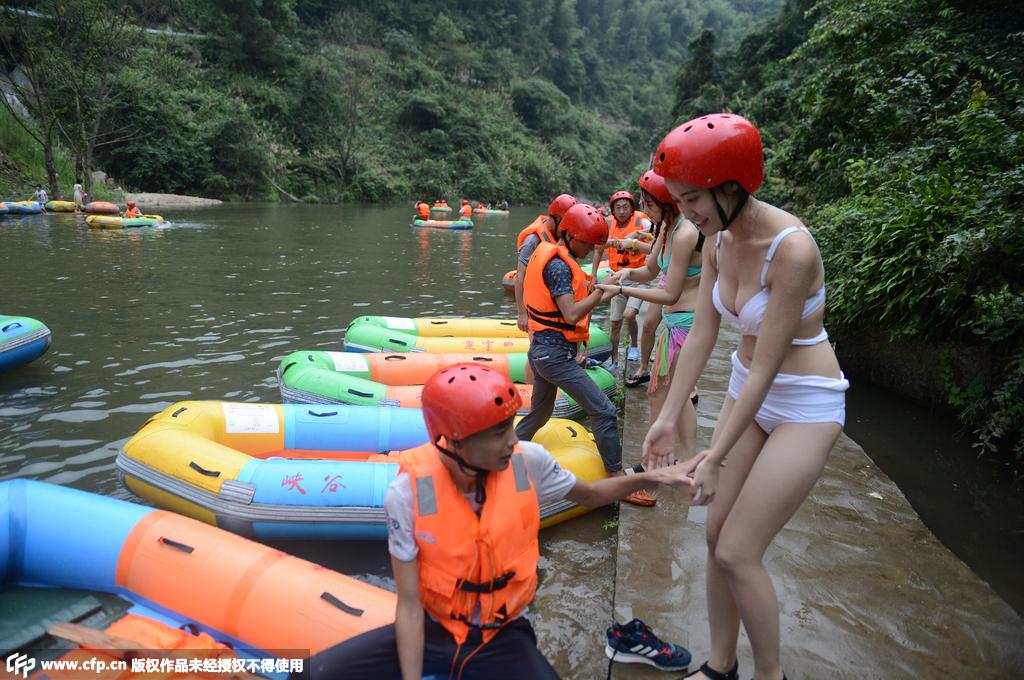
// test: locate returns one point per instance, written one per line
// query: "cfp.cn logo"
(20, 664)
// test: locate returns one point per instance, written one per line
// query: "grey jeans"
(554, 367)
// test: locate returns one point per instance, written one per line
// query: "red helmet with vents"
(712, 149)
(464, 399)
(585, 223)
(622, 194)
(654, 184)
(561, 203)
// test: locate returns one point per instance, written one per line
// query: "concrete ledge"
(865, 589)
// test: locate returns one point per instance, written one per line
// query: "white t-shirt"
(550, 480)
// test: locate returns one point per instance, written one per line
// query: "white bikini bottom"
(795, 398)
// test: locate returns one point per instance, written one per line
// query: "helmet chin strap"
(726, 221)
(477, 473)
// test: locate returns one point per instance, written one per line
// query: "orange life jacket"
(541, 227)
(468, 561)
(423, 210)
(466, 211)
(541, 307)
(132, 212)
(621, 259)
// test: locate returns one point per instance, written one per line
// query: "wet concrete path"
(865, 589)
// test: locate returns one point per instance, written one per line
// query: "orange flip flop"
(642, 498)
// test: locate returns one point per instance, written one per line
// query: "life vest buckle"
(486, 587)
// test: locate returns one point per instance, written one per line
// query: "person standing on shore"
(625, 225)
(786, 402)
(558, 298)
(676, 259)
(40, 196)
(543, 229)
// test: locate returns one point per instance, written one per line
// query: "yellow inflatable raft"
(273, 471)
(115, 222)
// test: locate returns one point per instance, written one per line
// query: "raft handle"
(13, 324)
(483, 358)
(322, 415)
(395, 357)
(340, 605)
(569, 427)
(209, 473)
(438, 323)
(174, 544)
(179, 411)
(398, 342)
(364, 395)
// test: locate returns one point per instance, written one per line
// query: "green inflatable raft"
(322, 377)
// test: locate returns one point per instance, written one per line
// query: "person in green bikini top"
(676, 254)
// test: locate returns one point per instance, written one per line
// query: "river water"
(205, 309)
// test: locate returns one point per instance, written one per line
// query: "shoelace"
(616, 629)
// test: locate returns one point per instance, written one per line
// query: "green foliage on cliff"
(894, 129)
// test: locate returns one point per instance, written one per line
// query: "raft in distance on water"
(461, 224)
(113, 222)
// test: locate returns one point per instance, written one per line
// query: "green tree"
(696, 76)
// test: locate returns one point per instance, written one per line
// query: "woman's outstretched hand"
(659, 445)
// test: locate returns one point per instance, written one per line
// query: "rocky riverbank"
(147, 200)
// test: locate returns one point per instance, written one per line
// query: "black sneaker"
(635, 642)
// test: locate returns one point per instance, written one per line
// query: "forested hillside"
(369, 100)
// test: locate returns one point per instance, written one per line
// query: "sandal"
(709, 672)
(636, 380)
(642, 498)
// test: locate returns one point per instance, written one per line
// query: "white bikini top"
(751, 316)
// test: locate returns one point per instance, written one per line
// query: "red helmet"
(654, 184)
(464, 201)
(586, 223)
(131, 204)
(464, 399)
(713, 149)
(622, 194)
(561, 203)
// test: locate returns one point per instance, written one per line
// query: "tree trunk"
(51, 166)
(80, 177)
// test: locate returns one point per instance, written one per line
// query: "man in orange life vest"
(624, 221)
(422, 210)
(466, 211)
(132, 211)
(559, 299)
(543, 229)
(463, 516)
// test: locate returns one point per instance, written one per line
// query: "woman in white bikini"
(786, 403)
